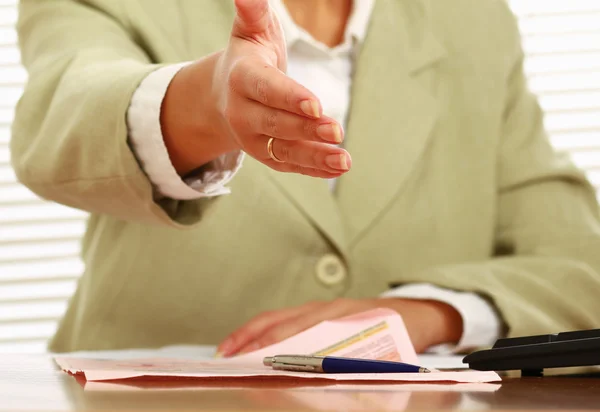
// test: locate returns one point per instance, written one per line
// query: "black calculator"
(532, 354)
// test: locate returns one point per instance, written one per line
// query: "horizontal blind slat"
(35, 330)
(7, 175)
(576, 141)
(8, 16)
(4, 154)
(41, 231)
(12, 74)
(6, 116)
(31, 311)
(568, 43)
(4, 135)
(31, 292)
(25, 346)
(15, 194)
(557, 63)
(584, 100)
(23, 252)
(39, 270)
(9, 55)
(8, 36)
(587, 159)
(524, 8)
(566, 82)
(11, 93)
(574, 121)
(559, 24)
(40, 211)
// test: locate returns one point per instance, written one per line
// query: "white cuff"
(481, 324)
(146, 139)
(216, 175)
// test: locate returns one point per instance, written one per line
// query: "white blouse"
(328, 73)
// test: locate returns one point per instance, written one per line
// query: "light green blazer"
(453, 183)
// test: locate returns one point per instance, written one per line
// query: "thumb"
(253, 17)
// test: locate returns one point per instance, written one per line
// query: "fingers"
(311, 155)
(283, 330)
(304, 320)
(263, 102)
(301, 144)
(300, 156)
(252, 17)
(269, 86)
(245, 335)
(277, 123)
(305, 171)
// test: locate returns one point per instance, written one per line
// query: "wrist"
(447, 320)
(433, 321)
(192, 131)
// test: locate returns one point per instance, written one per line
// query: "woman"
(456, 211)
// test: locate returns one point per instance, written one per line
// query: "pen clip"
(297, 363)
(296, 367)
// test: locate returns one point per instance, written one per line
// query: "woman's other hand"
(428, 323)
(240, 98)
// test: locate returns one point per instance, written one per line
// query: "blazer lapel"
(392, 113)
(314, 199)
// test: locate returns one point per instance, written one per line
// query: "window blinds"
(562, 43)
(39, 241)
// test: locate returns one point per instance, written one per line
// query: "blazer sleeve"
(70, 138)
(545, 276)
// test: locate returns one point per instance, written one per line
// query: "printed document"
(377, 334)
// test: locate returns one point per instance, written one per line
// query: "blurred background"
(39, 241)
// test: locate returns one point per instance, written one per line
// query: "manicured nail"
(338, 161)
(310, 108)
(330, 132)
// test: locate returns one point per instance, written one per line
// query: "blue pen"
(330, 364)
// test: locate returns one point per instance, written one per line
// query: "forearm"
(534, 295)
(70, 139)
(192, 130)
(443, 325)
(477, 325)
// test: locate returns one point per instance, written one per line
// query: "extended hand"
(428, 322)
(241, 98)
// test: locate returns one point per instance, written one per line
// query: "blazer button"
(330, 270)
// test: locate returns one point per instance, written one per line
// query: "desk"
(33, 383)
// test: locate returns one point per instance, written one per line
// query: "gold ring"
(270, 150)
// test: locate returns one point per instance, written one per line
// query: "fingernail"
(224, 349)
(330, 132)
(338, 161)
(310, 108)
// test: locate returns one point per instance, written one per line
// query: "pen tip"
(425, 370)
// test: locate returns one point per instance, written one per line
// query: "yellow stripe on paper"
(353, 339)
